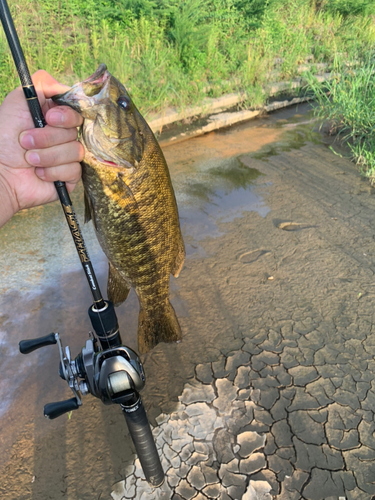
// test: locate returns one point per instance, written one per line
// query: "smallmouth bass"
(130, 199)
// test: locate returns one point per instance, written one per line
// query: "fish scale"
(130, 198)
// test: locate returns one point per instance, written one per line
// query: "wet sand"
(280, 254)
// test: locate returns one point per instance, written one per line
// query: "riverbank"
(216, 113)
(346, 101)
(280, 255)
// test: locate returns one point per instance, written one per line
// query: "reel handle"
(27, 346)
(54, 410)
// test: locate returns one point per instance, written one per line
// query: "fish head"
(113, 129)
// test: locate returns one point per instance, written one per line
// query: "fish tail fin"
(157, 326)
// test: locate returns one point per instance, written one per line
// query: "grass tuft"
(348, 103)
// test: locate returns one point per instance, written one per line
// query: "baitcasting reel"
(111, 372)
(114, 375)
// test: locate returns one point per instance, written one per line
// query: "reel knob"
(54, 410)
(27, 346)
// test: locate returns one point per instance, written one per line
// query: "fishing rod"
(39, 122)
(109, 371)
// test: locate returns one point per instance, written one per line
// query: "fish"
(130, 199)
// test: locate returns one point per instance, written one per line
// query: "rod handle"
(141, 434)
(54, 410)
(27, 346)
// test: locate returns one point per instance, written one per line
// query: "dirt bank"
(281, 255)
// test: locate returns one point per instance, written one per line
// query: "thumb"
(45, 83)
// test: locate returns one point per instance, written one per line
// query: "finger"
(56, 155)
(45, 82)
(70, 186)
(47, 137)
(63, 116)
(70, 173)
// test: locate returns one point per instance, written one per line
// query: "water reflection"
(296, 135)
(217, 192)
(230, 175)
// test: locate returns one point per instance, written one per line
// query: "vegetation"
(176, 52)
(347, 102)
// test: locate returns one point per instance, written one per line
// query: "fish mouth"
(96, 82)
(99, 76)
(85, 94)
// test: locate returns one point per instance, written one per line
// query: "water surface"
(43, 288)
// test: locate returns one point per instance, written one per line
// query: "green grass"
(177, 52)
(347, 102)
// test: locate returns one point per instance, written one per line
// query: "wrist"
(8, 206)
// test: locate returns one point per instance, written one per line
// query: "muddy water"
(42, 275)
(222, 187)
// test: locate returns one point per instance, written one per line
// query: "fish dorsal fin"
(88, 207)
(118, 289)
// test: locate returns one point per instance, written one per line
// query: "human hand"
(32, 159)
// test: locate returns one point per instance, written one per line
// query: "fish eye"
(124, 102)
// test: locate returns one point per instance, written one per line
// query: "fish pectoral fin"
(179, 260)
(88, 207)
(117, 288)
(121, 193)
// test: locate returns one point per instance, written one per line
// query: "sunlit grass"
(347, 102)
(176, 53)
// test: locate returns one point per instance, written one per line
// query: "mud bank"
(276, 306)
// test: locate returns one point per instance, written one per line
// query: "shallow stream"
(43, 288)
(221, 189)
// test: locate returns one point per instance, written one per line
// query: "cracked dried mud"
(271, 393)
